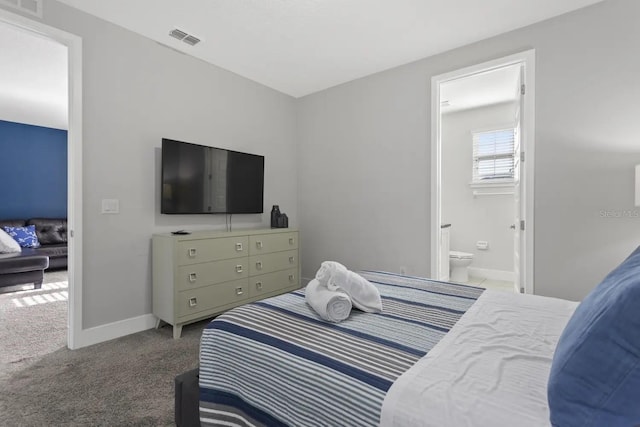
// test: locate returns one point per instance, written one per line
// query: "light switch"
(110, 206)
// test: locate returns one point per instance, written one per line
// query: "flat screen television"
(197, 179)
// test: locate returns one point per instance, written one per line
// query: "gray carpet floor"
(123, 382)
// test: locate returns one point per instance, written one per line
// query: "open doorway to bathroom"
(482, 174)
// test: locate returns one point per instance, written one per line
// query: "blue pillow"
(595, 374)
(25, 236)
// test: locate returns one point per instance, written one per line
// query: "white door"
(445, 238)
(518, 229)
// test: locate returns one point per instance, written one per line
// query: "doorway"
(74, 162)
(482, 172)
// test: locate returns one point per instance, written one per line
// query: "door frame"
(527, 60)
(74, 163)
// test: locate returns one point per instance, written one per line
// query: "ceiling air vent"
(184, 36)
(191, 40)
(177, 34)
(32, 7)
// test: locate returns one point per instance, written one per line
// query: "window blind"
(493, 155)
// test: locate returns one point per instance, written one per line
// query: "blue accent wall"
(33, 171)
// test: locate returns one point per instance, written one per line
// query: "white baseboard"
(486, 273)
(114, 330)
(122, 328)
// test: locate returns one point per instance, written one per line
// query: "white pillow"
(7, 244)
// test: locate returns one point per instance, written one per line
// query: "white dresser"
(202, 274)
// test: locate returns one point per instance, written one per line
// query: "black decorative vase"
(275, 214)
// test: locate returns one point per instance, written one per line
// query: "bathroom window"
(493, 156)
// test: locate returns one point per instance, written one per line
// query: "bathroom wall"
(472, 218)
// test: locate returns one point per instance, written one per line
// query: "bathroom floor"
(498, 285)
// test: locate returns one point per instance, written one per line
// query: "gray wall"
(361, 149)
(135, 92)
(484, 218)
(364, 159)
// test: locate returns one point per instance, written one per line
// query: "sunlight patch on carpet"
(44, 298)
(55, 285)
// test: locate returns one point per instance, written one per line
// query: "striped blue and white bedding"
(276, 363)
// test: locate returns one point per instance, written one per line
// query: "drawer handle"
(259, 265)
(291, 259)
(291, 240)
(259, 285)
(193, 302)
(192, 252)
(239, 291)
(259, 244)
(238, 269)
(239, 247)
(291, 277)
(193, 277)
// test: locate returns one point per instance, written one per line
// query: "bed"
(276, 363)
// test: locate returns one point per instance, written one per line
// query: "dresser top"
(210, 234)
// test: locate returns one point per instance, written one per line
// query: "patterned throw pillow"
(25, 236)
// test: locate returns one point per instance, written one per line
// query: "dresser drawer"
(268, 263)
(272, 282)
(210, 297)
(265, 243)
(205, 250)
(197, 275)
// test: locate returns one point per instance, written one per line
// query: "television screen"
(198, 179)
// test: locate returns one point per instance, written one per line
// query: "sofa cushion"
(12, 223)
(595, 373)
(50, 231)
(25, 236)
(8, 244)
(52, 251)
(21, 264)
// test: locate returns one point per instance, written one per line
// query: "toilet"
(459, 263)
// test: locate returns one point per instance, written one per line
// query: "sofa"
(28, 266)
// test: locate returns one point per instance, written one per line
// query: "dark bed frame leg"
(187, 403)
(38, 284)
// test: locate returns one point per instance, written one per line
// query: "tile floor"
(499, 285)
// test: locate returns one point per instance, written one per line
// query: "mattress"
(490, 370)
(276, 363)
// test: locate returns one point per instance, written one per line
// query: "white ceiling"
(33, 79)
(303, 46)
(480, 90)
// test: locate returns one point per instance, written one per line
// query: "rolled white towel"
(327, 270)
(364, 295)
(333, 306)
